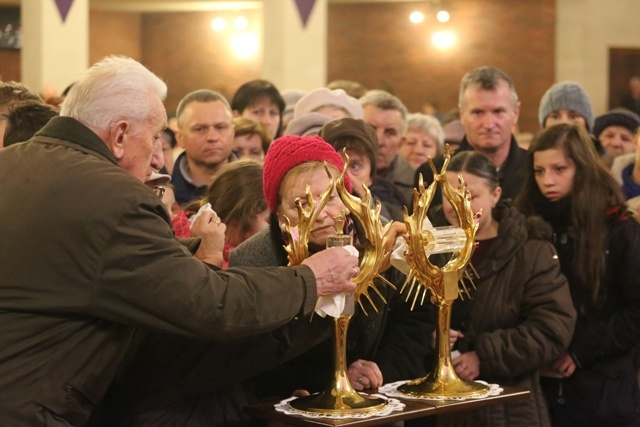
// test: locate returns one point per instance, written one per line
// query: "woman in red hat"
(382, 347)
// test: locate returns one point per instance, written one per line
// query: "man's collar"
(75, 132)
(183, 164)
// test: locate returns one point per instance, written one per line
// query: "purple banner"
(63, 8)
(304, 9)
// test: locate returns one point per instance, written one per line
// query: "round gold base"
(430, 389)
(330, 403)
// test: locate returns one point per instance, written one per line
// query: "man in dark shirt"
(489, 108)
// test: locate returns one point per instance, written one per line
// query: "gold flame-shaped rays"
(441, 282)
(376, 235)
(423, 275)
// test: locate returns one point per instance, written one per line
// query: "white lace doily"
(392, 390)
(391, 406)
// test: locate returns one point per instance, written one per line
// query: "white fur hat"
(326, 97)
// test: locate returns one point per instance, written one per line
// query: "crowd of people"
(144, 279)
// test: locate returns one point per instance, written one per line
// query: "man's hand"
(211, 230)
(364, 375)
(333, 268)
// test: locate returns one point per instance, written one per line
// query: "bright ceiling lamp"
(443, 39)
(443, 16)
(245, 45)
(416, 17)
(218, 24)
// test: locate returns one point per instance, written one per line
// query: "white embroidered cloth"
(393, 405)
(391, 390)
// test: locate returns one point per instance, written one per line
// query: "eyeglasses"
(159, 191)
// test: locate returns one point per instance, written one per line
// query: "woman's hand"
(467, 366)
(364, 375)
(453, 337)
(565, 365)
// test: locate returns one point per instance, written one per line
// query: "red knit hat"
(289, 151)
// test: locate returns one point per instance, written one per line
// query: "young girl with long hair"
(519, 316)
(594, 381)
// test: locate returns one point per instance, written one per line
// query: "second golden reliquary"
(442, 284)
(339, 397)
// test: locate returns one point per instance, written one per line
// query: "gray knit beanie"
(566, 96)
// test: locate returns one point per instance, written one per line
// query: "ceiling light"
(245, 45)
(218, 24)
(240, 23)
(416, 17)
(443, 39)
(443, 16)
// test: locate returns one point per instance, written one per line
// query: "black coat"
(603, 391)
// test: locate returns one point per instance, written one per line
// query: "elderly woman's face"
(418, 146)
(318, 182)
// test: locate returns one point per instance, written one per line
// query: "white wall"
(585, 30)
(53, 52)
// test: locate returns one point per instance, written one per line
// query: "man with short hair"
(489, 109)
(25, 118)
(89, 258)
(12, 93)
(388, 116)
(205, 130)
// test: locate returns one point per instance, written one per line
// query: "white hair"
(428, 124)
(113, 89)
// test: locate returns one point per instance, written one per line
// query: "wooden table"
(440, 414)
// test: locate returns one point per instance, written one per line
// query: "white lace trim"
(391, 406)
(392, 390)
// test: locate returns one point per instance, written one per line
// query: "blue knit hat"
(566, 96)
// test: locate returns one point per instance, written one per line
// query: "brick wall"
(114, 33)
(376, 45)
(184, 50)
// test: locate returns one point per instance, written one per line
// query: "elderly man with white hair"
(89, 257)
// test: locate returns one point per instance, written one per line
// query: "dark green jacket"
(87, 257)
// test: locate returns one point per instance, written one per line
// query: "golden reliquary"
(441, 283)
(339, 397)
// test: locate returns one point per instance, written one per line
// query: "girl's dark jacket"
(519, 319)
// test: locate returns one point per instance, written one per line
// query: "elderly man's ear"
(117, 138)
